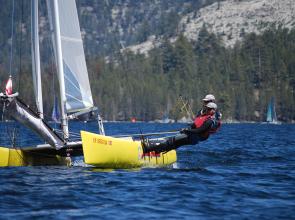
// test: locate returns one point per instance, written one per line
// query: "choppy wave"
(245, 171)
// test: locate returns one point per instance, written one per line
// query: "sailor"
(207, 99)
(200, 130)
(205, 123)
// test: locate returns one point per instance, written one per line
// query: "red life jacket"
(200, 120)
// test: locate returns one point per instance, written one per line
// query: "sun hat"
(211, 105)
(209, 97)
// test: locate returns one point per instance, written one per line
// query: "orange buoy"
(133, 120)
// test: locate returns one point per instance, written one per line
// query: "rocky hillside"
(106, 25)
(112, 25)
(231, 20)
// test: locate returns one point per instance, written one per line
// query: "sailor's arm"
(206, 126)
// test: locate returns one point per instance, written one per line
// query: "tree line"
(243, 78)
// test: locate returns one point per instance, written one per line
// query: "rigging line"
(71, 133)
(187, 107)
(3, 113)
(147, 134)
(73, 97)
(20, 155)
(12, 35)
(17, 149)
(75, 136)
(20, 47)
(10, 72)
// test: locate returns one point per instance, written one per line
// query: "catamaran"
(75, 99)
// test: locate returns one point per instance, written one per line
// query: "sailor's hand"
(218, 115)
(3, 96)
(185, 131)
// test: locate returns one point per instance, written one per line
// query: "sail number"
(101, 141)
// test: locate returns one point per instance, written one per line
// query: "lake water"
(246, 171)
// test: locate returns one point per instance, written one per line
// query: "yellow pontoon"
(110, 152)
(26, 157)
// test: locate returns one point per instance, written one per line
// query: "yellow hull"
(17, 157)
(109, 152)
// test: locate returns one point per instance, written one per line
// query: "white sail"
(75, 94)
(76, 82)
(271, 115)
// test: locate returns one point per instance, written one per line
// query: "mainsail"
(75, 94)
(76, 82)
(271, 116)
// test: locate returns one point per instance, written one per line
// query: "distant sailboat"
(271, 116)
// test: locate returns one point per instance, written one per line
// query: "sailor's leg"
(165, 144)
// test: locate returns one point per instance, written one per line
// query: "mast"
(36, 57)
(56, 25)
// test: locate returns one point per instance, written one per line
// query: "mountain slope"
(230, 20)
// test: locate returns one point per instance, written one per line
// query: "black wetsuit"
(190, 136)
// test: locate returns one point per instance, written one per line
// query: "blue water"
(246, 171)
